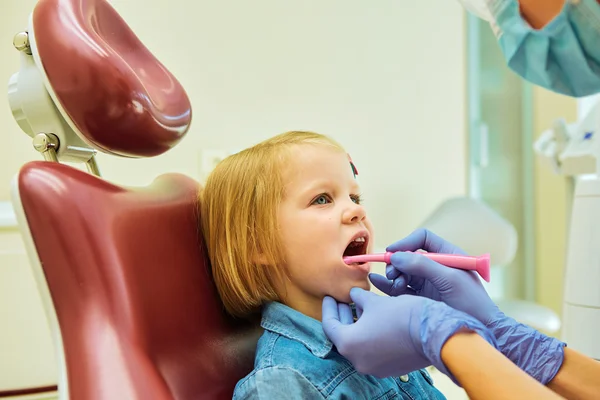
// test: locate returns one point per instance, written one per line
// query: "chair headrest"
(107, 86)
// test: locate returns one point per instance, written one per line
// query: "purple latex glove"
(410, 273)
(395, 335)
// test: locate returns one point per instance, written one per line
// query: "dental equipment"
(574, 151)
(480, 264)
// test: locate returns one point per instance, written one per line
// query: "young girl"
(277, 219)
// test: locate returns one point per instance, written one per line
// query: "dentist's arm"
(578, 378)
(539, 12)
(396, 335)
(538, 355)
(484, 372)
(544, 358)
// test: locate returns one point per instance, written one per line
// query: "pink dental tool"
(480, 264)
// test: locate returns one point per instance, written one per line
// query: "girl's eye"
(357, 198)
(321, 200)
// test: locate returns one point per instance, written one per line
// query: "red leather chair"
(122, 271)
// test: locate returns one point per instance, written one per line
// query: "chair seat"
(118, 95)
(131, 285)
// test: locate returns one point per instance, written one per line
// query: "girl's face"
(321, 220)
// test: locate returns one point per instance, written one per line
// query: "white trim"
(42, 286)
(7, 216)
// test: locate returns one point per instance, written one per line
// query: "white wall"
(385, 78)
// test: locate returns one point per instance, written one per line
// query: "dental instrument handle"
(479, 264)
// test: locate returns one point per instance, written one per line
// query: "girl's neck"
(307, 305)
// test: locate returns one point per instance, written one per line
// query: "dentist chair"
(123, 272)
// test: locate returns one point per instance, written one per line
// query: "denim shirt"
(295, 360)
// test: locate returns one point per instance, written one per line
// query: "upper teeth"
(357, 242)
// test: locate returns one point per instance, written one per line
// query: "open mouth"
(357, 246)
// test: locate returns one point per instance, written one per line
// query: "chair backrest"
(128, 278)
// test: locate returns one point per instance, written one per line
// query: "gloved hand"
(411, 273)
(394, 335)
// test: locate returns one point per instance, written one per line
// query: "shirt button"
(404, 378)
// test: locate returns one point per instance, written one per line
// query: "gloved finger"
(330, 308)
(422, 239)
(361, 297)
(332, 326)
(394, 287)
(419, 268)
(345, 313)
(391, 272)
(394, 274)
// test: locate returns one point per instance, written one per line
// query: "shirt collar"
(286, 321)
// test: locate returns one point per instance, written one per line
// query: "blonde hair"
(238, 213)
